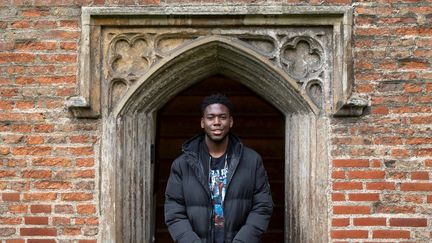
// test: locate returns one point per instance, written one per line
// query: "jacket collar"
(191, 148)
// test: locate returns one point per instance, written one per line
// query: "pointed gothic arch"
(130, 132)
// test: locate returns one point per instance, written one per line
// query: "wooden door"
(258, 124)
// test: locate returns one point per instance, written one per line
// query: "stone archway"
(130, 130)
(257, 50)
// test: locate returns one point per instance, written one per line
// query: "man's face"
(216, 122)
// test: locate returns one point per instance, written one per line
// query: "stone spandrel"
(302, 53)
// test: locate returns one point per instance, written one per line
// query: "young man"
(218, 191)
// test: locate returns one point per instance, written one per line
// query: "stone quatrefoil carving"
(302, 57)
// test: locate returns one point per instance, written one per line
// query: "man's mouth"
(217, 132)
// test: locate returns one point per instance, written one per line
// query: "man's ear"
(202, 122)
(231, 121)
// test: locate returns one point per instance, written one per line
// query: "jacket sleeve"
(176, 218)
(262, 209)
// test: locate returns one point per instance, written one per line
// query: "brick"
(38, 208)
(390, 234)
(17, 208)
(422, 99)
(400, 153)
(340, 222)
(34, 13)
(363, 197)
(47, 196)
(388, 141)
(36, 220)
(63, 34)
(351, 163)
(33, 140)
(40, 46)
(413, 88)
(423, 152)
(86, 209)
(56, 58)
(416, 187)
(351, 210)
(408, 222)
(69, 46)
(88, 150)
(75, 174)
(87, 221)
(11, 197)
(41, 241)
(370, 174)
(410, 109)
(72, 231)
(37, 174)
(62, 162)
(5, 173)
(419, 141)
(347, 186)
(338, 174)
(338, 197)
(369, 221)
(22, 24)
(76, 196)
(421, 120)
(61, 221)
(38, 232)
(15, 241)
(6, 105)
(87, 241)
(64, 209)
(380, 110)
(16, 57)
(395, 209)
(52, 185)
(56, 80)
(44, 24)
(380, 186)
(10, 220)
(414, 198)
(32, 150)
(349, 234)
(420, 175)
(415, 64)
(85, 162)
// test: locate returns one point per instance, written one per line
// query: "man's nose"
(217, 121)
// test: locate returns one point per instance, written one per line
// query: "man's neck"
(216, 150)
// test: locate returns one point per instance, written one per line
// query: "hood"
(192, 145)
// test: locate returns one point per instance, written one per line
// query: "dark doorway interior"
(256, 122)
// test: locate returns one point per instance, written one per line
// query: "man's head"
(216, 117)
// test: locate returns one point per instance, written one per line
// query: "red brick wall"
(381, 188)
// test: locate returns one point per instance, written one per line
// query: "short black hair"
(216, 98)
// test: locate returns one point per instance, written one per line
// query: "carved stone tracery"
(302, 54)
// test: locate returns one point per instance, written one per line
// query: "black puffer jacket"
(247, 206)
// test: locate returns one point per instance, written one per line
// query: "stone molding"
(334, 98)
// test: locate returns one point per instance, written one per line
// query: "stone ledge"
(354, 107)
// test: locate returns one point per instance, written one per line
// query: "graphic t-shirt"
(218, 181)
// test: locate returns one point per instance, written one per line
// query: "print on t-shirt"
(218, 181)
